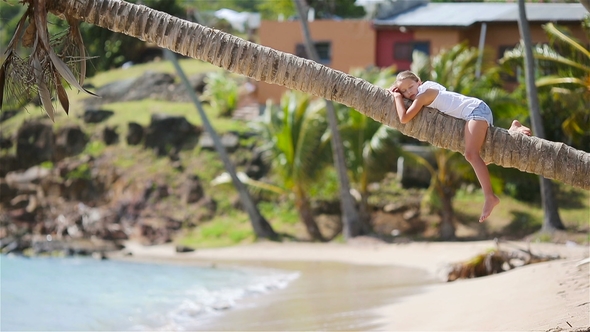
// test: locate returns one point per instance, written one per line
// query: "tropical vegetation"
(287, 125)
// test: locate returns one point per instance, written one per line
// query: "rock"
(69, 141)
(134, 133)
(110, 135)
(180, 248)
(34, 143)
(96, 115)
(256, 167)
(114, 91)
(167, 132)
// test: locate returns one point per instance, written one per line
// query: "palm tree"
(564, 74)
(297, 146)
(551, 218)
(531, 154)
(261, 227)
(350, 215)
(569, 80)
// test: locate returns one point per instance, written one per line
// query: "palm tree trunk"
(551, 218)
(261, 227)
(306, 215)
(350, 215)
(447, 227)
(530, 154)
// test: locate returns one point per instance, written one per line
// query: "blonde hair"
(406, 74)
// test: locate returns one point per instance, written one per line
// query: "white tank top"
(451, 103)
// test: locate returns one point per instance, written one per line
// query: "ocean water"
(84, 294)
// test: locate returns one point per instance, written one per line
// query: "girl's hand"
(396, 92)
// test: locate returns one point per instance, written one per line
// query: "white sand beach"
(549, 296)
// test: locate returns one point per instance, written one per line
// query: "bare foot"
(519, 128)
(488, 206)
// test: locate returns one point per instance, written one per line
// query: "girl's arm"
(405, 115)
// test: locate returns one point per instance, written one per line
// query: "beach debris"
(181, 249)
(583, 262)
(496, 261)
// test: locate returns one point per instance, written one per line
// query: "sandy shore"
(352, 287)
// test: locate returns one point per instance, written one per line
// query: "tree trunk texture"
(447, 214)
(350, 215)
(530, 154)
(306, 216)
(364, 212)
(551, 218)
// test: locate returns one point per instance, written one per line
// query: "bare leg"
(518, 127)
(475, 133)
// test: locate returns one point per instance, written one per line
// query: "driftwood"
(495, 261)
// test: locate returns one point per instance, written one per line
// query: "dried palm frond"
(53, 63)
(16, 83)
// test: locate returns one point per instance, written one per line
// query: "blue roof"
(465, 14)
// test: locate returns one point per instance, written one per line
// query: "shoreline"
(548, 296)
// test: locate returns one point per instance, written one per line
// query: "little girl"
(477, 114)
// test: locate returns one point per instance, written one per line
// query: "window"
(403, 50)
(324, 50)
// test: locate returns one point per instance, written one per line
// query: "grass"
(230, 229)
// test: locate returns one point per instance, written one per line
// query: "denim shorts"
(481, 112)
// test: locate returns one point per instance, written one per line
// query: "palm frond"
(554, 80)
(553, 31)
(42, 70)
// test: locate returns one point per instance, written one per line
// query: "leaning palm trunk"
(530, 154)
(261, 227)
(306, 215)
(350, 215)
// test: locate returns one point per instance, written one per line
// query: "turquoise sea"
(84, 294)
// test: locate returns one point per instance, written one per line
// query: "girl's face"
(408, 88)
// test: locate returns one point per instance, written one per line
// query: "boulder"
(96, 115)
(35, 143)
(168, 134)
(69, 141)
(110, 135)
(134, 133)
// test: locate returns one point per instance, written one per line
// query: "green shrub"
(221, 92)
